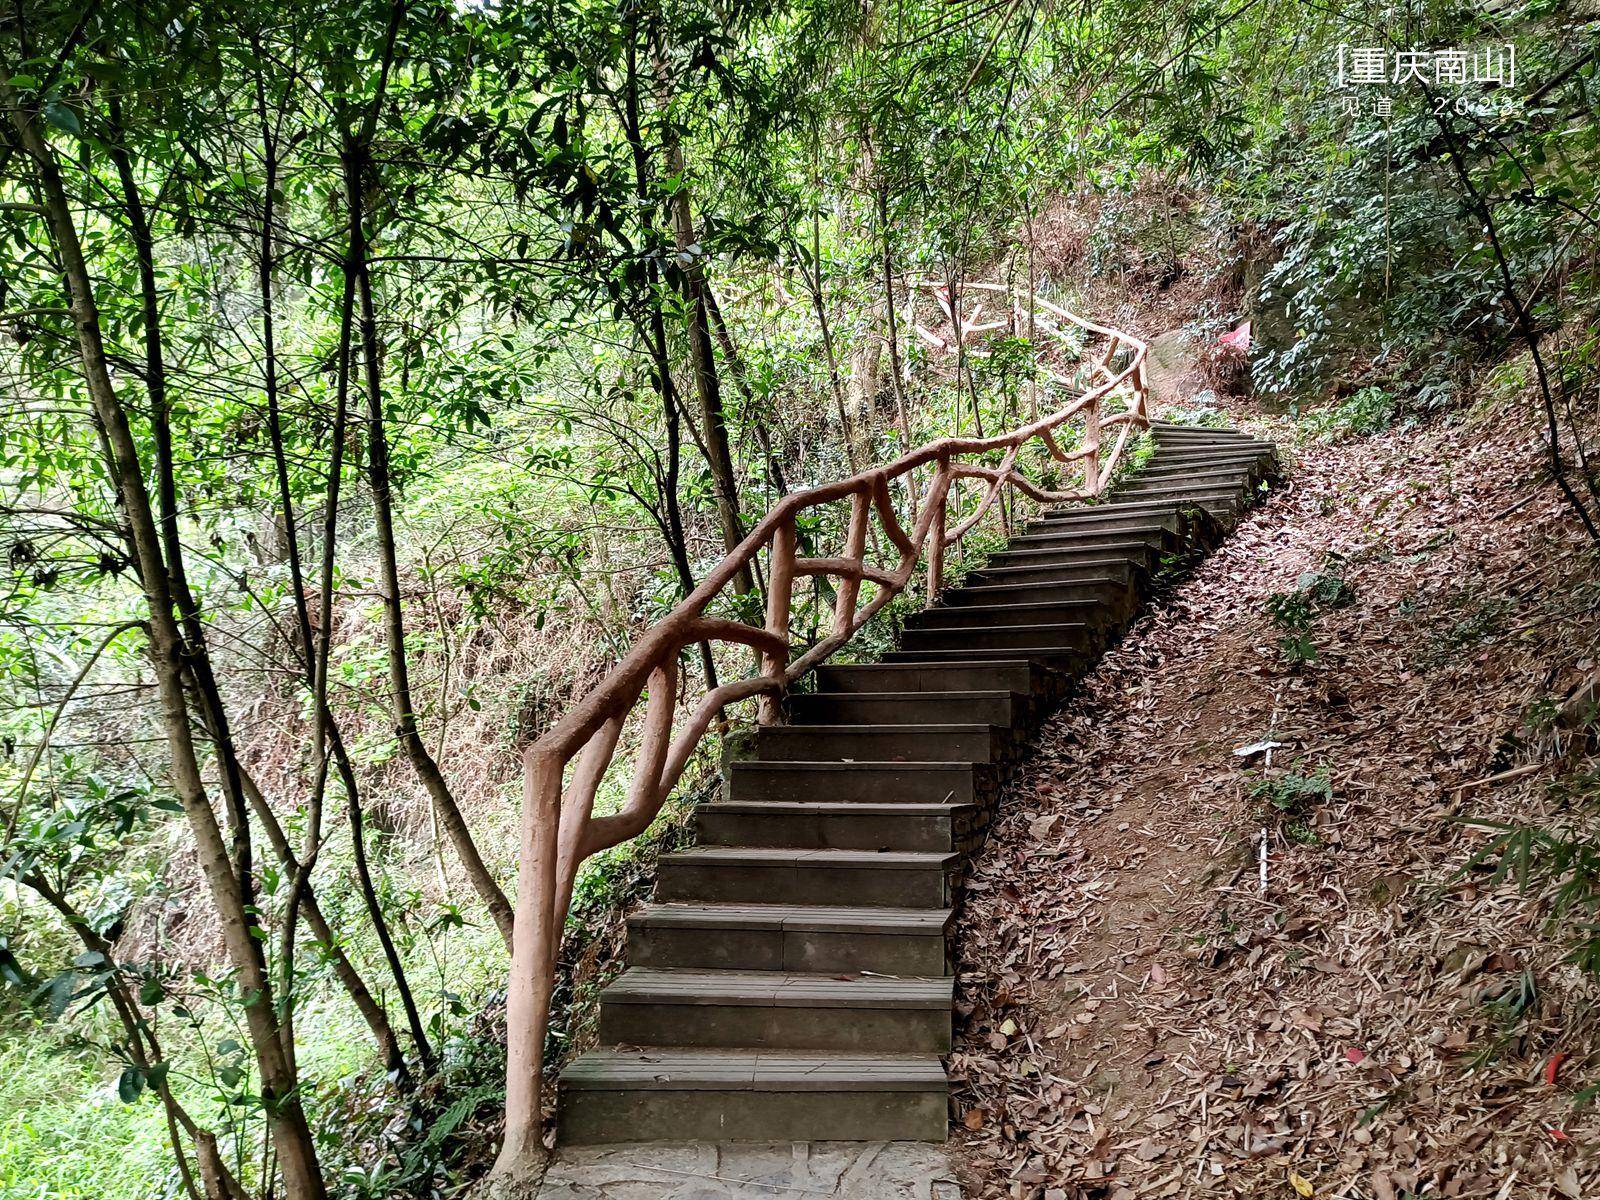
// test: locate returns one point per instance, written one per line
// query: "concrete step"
(1105, 508)
(1181, 530)
(1246, 468)
(967, 616)
(1114, 595)
(994, 707)
(644, 1095)
(1209, 457)
(1071, 570)
(996, 675)
(791, 937)
(1167, 443)
(1110, 522)
(1171, 439)
(1163, 430)
(777, 1010)
(1210, 437)
(1134, 554)
(937, 782)
(1225, 492)
(878, 743)
(842, 825)
(1227, 483)
(1065, 635)
(858, 878)
(1224, 477)
(1253, 469)
(1053, 658)
(1222, 505)
(1147, 532)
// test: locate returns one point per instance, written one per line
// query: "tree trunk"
(656, 337)
(372, 1012)
(736, 368)
(444, 804)
(228, 879)
(813, 281)
(896, 373)
(702, 361)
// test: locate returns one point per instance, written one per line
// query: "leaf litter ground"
(1141, 1019)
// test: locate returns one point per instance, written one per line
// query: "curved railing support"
(559, 828)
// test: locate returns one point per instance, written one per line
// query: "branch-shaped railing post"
(559, 827)
(534, 942)
(1091, 448)
(780, 587)
(939, 506)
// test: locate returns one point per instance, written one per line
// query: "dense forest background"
(374, 373)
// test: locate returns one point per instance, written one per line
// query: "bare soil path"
(1142, 1018)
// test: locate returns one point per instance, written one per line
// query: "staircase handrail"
(558, 827)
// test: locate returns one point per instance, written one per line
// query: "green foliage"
(1293, 795)
(64, 1132)
(1294, 613)
(1558, 865)
(1369, 410)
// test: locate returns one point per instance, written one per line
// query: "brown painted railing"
(559, 828)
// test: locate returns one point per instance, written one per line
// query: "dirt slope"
(1142, 1019)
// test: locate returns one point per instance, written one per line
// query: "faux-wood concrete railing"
(559, 828)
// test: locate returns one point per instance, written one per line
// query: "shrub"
(1294, 613)
(1371, 410)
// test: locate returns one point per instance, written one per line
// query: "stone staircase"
(793, 978)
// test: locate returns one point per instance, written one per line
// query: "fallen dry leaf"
(1367, 948)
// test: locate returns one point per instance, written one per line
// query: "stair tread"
(1204, 495)
(1009, 629)
(1174, 455)
(1204, 437)
(1006, 660)
(1103, 508)
(810, 918)
(1175, 437)
(933, 658)
(887, 859)
(670, 1069)
(980, 609)
(1165, 441)
(1200, 433)
(823, 764)
(1112, 507)
(986, 572)
(783, 989)
(1141, 547)
(913, 697)
(1205, 464)
(1163, 484)
(1091, 535)
(829, 807)
(1205, 478)
(1088, 583)
(866, 727)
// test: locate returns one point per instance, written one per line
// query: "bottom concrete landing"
(751, 1171)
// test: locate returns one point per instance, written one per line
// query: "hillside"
(1385, 1007)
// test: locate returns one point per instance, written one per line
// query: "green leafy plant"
(1293, 795)
(1294, 613)
(1559, 864)
(1370, 410)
